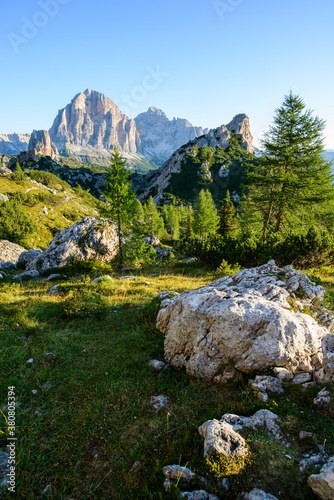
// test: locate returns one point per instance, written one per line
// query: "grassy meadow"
(89, 431)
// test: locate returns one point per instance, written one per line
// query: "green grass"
(95, 420)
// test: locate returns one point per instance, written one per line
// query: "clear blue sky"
(216, 58)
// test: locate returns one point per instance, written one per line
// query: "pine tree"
(154, 224)
(139, 211)
(228, 224)
(189, 233)
(206, 220)
(174, 222)
(291, 179)
(119, 195)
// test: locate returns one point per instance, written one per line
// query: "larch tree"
(120, 197)
(206, 219)
(291, 179)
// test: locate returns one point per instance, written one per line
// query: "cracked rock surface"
(246, 323)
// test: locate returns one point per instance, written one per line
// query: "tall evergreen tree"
(206, 220)
(189, 233)
(118, 193)
(291, 179)
(228, 224)
(154, 224)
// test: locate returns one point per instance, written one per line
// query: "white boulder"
(323, 484)
(244, 324)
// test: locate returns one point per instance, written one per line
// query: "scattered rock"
(34, 391)
(53, 291)
(10, 252)
(226, 484)
(162, 253)
(86, 239)
(178, 473)
(264, 383)
(189, 261)
(127, 278)
(157, 403)
(101, 278)
(283, 374)
(198, 495)
(157, 365)
(302, 378)
(323, 484)
(54, 277)
(135, 466)
(262, 418)
(152, 240)
(312, 461)
(3, 197)
(28, 258)
(7, 265)
(30, 361)
(220, 437)
(243, 324)
(305, 435)
(46, 490)
(257, 494)
(323, 398)
(26, 275)
(165, 295)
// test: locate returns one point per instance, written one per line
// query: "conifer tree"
(206, 220)
(189, 233)
(154, 224)
(228, 224)
(120, 196)
(291, 179)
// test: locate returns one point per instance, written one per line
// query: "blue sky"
(204, 60)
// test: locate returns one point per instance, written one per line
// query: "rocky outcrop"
(154, 183)
(245, 323)
(322, 484)
(221, 438)
(41, 142)
(160, 137)
(10, 252)
(92, 119)
(87, 239)
(27, 259)
(12, 144)
(23, 158)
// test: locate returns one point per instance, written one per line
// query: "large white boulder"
(10, 252)
(246, 323)
(86, 239)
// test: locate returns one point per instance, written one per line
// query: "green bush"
(15, 225)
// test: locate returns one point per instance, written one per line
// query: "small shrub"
(222, 465)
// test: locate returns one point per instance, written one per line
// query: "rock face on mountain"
(12, 144)
(87, 239)
(92, 119)
(245, 323)
(160, 137)
(154, 183)
(40, 140)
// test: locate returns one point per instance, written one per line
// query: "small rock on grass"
(46, 490)
(164, 295)
(101, 278)
(323, 398)
(177, 472)
(157, 403)
(30, 361)
(157, 365)
(53, 291)
(198, 495)
(257, 494)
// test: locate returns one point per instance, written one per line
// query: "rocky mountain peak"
(240, 125)
(93, 120)
(40, 140)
